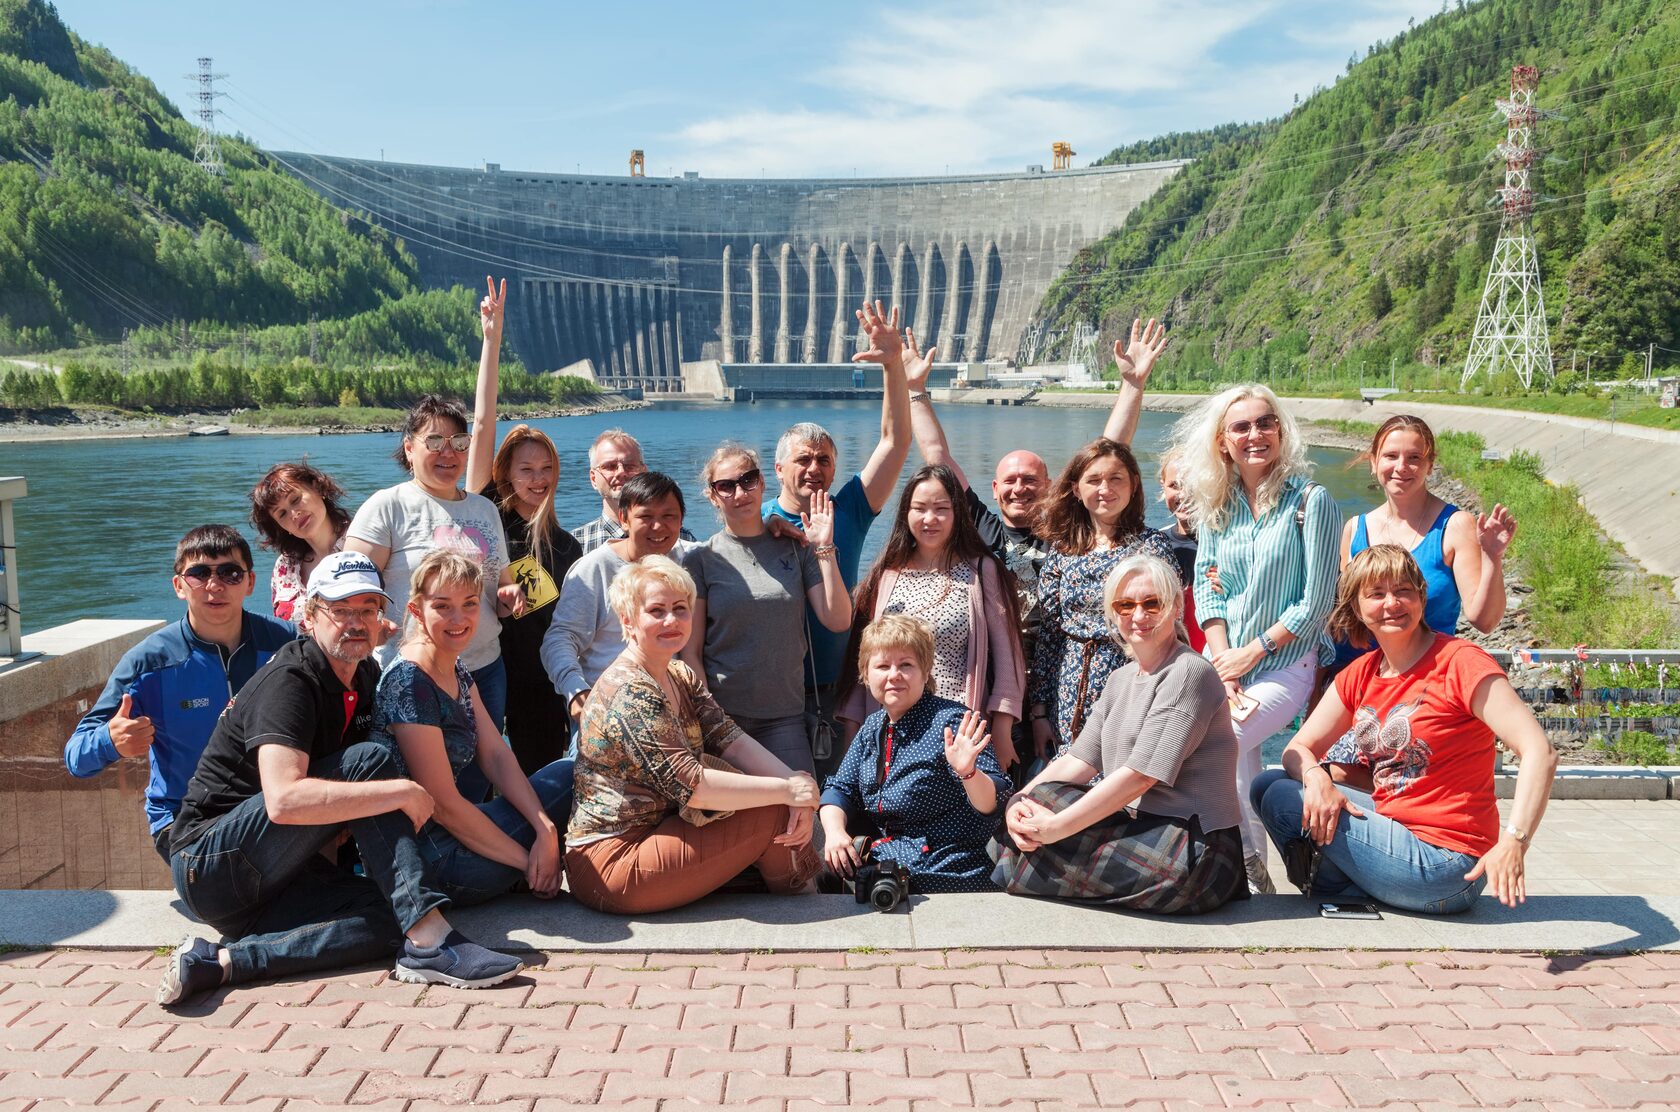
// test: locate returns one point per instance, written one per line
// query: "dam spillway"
(641, 275)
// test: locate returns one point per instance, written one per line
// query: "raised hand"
(917, 364)
(490, 309)
(886, 346)
(1136, 358)
(819, 519)
(962, 747)
(131, 735)
(1495, 531)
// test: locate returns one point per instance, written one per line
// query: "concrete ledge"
(74, 656)
(145, 920)
(1603, 782)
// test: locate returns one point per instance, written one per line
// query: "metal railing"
(11, 616)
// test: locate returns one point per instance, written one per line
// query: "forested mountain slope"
(1359, 226)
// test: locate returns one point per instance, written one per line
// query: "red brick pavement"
(900, 1031)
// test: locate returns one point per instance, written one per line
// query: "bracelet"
(921, 395)
(823, 550)
(972, 773)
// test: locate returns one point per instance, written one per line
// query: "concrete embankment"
(1628, 475)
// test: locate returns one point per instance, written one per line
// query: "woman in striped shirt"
(1270, 535)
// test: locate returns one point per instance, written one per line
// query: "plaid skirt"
(1154, 863)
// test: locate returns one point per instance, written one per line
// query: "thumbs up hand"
(130, 735)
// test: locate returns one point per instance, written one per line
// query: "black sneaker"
(192, 970)
(457, 962)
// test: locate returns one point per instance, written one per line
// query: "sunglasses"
(1151, 605)
(434, 442)
(1268, 423)
(231, 574)
(747, 480)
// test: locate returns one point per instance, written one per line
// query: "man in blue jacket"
(167, 692)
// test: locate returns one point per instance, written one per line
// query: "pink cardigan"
(989, 639)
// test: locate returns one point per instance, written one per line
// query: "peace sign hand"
(1495, 531)
(818, 521)
(962, 748)
(1136, 358)
(490, 308)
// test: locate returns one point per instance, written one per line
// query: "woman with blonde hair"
(1161, 739)
(1092, 520)
(1421, 712)
(673, 799)
(521, 478)
(429, 711)
(1269, 534)
(752, 588)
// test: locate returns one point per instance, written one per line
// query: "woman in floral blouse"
(672, 798)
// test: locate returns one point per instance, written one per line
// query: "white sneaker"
(1258, 878)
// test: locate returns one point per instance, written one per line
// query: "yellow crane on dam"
(1061, 155)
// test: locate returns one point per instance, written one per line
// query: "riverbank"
(68, 423)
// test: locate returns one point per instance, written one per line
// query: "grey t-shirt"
(1171, 724)
(411, 523)
(754, 590)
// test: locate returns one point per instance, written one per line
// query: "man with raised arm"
(287, 771)
(806, 461)
(614, 459)
(1022, 479)
(167, 692)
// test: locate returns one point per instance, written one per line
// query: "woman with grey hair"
(1161, 741)
(1269, 534)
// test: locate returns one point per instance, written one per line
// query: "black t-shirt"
(1023, 553)
(295, 700)
(1184, 552)
(522, 637)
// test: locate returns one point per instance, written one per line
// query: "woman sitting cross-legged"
(1160, 736)
(1426, 838)
(429, 710)
(673, 799)
(920, 777)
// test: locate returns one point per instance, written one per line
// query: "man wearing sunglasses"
(167, 692)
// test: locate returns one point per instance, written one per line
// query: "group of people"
(457, 697)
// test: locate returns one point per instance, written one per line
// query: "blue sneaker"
(457, 962)
(192, 970)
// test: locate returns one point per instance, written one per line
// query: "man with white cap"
(287, 770)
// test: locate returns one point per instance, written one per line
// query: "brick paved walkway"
(903, 1030)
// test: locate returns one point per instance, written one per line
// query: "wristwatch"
(1268, 644)
(1519, 835)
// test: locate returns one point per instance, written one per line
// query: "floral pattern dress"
(1076, 652)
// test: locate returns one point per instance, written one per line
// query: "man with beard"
(614, 459)
(289, 769)
(1022, 479)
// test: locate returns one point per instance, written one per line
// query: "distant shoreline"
(71, 423)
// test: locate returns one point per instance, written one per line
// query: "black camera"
(884, 884)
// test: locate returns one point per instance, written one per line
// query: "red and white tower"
(1511, 323)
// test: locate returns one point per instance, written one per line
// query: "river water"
(97, 533)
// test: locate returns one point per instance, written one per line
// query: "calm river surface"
(98, 529)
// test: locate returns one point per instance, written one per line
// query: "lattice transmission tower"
(207, 154)
(1511, 323)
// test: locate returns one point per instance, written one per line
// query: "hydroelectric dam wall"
(640, 275)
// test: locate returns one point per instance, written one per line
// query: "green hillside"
(1358, 228)
(106, 222)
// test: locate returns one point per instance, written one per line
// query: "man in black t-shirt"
(287, 770)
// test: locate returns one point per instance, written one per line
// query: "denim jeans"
(464, 876)
(491, 681)
(786, 738)
(285, 909)
(1370, 857)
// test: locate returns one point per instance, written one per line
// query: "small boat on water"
(208, 430)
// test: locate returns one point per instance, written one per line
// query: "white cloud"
(988, 85)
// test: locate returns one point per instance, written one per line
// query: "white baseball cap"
(344, 574)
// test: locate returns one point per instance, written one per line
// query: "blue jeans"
(1370, 857)
(491, 681)
(468, 878)
(285, 909)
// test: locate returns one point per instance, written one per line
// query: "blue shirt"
(181, 682)
(1272, 569)
(853, 515)
(920, 806)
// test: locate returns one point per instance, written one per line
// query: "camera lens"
(884, 896)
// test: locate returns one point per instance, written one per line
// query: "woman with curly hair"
(1269, 534)
(296, 513)
(1092, 521)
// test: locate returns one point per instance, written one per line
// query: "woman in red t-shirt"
(1426, 838)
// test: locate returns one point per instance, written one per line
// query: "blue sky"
(739, 89)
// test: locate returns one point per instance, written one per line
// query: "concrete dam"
(642, 275)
